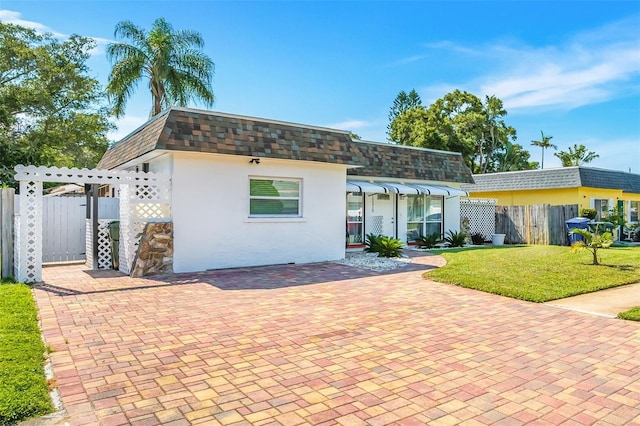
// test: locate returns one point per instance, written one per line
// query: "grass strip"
(632, 314)
(24, 392)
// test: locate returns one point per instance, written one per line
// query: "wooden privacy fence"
(6, 231)
(536, 224)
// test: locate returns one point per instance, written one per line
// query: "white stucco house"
(250, 191)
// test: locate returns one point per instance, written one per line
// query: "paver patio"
(328, 344)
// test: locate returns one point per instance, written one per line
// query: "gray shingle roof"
(183, 129)
(565, 177)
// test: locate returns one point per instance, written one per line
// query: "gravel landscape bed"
(372, 262)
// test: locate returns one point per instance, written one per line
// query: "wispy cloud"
(13, 17)
(591, 67)
(350, 124)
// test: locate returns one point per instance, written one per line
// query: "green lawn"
(537, 273)
(632, 314)
(23, 388)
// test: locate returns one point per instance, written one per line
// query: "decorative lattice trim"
(64, 174)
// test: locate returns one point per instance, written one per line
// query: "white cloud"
(12, 17)
(589, 68)
(126, 125)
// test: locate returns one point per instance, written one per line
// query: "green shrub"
(428, 241)
(588, 213)
(477, 239)
(455, 239)
(383, 245)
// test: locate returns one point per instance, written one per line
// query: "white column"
(29, 262)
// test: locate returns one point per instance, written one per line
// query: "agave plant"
(455, 239)
(428, 241)
(592, 241)
(383, 245)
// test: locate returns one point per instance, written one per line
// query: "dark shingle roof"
(402, 162)
(182, 129)
(565, 177)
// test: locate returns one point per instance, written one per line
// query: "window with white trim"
(602, 207)
(633, 211)
(274, 197)
(424, 215)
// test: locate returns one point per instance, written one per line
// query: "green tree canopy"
(576, 156)
(461, 122)
(177, 70)
(544, 143)
(403, 102)
(51, 112)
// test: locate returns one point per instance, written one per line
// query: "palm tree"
(544, 143)
(171, 60)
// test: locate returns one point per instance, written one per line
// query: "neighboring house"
(588, 187)
(250, 191)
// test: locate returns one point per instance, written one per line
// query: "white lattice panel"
(376, 225)
(88, 240)
(104, 245)
(481, 214)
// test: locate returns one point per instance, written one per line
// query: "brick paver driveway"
(326, 344)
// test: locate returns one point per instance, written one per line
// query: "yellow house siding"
(559, 196)
(555, 197)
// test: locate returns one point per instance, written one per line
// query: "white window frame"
(263, 197)
(637, 211)
(425, 204)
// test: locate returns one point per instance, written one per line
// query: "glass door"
(355, 218)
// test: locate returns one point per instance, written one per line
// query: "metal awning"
(358, 186)
(400, 188)
(441, 190)
(404, 189)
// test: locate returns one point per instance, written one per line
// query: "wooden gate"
(536, 224)
(64, 226)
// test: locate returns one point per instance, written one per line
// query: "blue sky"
(571, 69)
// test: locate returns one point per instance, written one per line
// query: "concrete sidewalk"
(609, 302)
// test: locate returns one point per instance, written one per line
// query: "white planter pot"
(497, 239)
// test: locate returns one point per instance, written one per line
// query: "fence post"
(6, 232)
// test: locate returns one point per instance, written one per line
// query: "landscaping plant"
(592, 242)
(477, 239)
(383, 245)
(428, 241)
(455, 239)
(588, 213)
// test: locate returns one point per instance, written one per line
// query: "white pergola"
(144, 197)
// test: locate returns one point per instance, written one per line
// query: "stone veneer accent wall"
(155, 251)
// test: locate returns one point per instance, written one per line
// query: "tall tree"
(402, 103)
(461, 122)
(577, 156)
(513, 157)
(52, 113)
(177, 70)
(544, 143)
